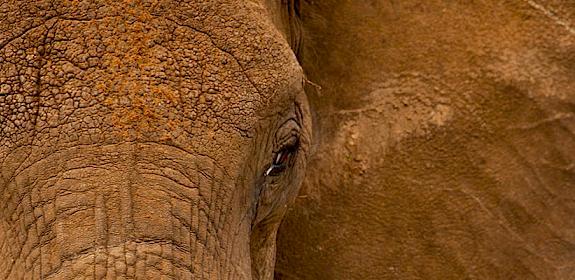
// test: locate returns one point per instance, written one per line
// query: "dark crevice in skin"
(295, 29)
(20, 200)
(223, 50)
(246, 133)
(215, 186)
(42, 51)
(140, 241)
(217, 205)
(127, 201)
(24, 32)
(195, 153)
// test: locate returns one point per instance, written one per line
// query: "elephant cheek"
(134, 214)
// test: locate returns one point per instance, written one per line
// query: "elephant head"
(147, 139)
(165, 139)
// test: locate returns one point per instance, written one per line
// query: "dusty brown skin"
(445, 146)
(134, 137)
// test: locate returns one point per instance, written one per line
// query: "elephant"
(167, 139)
(444, 140)
(147, 139)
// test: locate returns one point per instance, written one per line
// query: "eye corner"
(274, 170)
(283, 158)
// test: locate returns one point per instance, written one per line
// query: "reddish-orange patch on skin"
(127, 63)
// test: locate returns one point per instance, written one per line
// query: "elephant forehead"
(134, 66)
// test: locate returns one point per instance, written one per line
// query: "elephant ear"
(445, 142)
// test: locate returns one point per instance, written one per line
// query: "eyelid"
(286, 132)
(289, 142)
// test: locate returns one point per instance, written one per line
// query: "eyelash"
(282, 159)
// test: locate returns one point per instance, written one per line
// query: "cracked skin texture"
(134, 136)
(445, 142)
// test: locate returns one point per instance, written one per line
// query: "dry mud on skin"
(134, 135)
(447, 133)
(444, 143)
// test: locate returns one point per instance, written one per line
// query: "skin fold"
(134, 137)
(445, 142)
(160, 139)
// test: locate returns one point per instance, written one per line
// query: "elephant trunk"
(124, 210)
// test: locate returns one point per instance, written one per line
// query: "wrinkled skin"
(445, 142)
(134, 138)
(135, 135)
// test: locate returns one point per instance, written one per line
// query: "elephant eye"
(283, 158)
